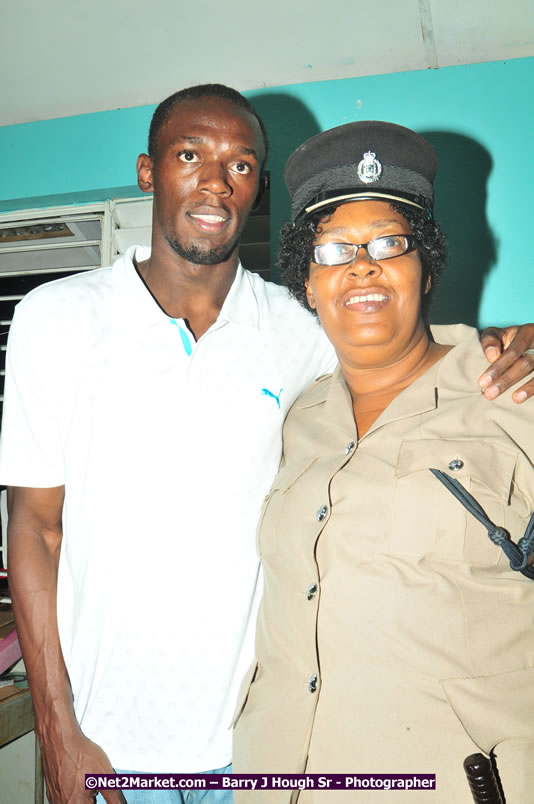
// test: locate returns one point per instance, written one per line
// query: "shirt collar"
(134, 305)
(336, 413)
(241, 304)
(138, 309)
(454, 371)
(332, 393)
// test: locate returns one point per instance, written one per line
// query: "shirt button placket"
(321, 513)
(311, 591)
(313, 588)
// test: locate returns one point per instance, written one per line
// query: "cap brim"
(360, 196)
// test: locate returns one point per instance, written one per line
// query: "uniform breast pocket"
(428, 521)
(274, 516)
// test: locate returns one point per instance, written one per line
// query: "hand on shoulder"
(510, 351)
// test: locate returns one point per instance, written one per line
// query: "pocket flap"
(290, 473)
(490, 465)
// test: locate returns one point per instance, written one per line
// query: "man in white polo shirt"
(142, 427)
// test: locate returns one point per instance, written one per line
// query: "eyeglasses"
(380, 248)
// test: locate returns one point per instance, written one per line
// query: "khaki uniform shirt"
(393, 637)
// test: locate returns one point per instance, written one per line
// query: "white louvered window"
(131, 221)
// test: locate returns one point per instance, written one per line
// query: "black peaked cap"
(364, 160)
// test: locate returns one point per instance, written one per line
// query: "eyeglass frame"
(411, 246)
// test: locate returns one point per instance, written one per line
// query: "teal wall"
(480, 118)
(89, 157)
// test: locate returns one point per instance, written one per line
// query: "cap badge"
(369, 169)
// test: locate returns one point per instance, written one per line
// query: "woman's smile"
(366, 300)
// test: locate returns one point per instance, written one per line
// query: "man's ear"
(264, 183)
(145, 180)
(309, 294)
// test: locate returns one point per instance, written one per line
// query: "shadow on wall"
(461, 195)
(289, 122)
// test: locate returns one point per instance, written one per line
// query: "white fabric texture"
(165, 459)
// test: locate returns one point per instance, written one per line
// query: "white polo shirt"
(166, 448)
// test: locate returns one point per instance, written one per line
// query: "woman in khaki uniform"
(393, 635)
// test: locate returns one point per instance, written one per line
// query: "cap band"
(341, 184)
(360, 196)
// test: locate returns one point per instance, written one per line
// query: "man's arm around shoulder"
(34, 538)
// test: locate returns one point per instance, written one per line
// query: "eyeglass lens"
(380, 248)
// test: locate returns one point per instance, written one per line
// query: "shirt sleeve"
(31, 453)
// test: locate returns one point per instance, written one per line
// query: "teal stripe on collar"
(184, 336)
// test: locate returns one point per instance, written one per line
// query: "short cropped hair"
(163, 111)
(297, 241)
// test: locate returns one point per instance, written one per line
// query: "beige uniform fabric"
(380, 584)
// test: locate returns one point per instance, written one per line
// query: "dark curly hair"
(165, 108)
(297, 241)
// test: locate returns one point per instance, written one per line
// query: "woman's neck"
(373, 388)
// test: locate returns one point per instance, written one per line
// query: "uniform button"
(312, 683)
(321, 513)
(455, 465)
(350, 446)
(311, 591)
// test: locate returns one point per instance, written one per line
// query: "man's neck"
(186, 290)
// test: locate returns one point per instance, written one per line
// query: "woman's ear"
(428, 285)
(309, 294)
